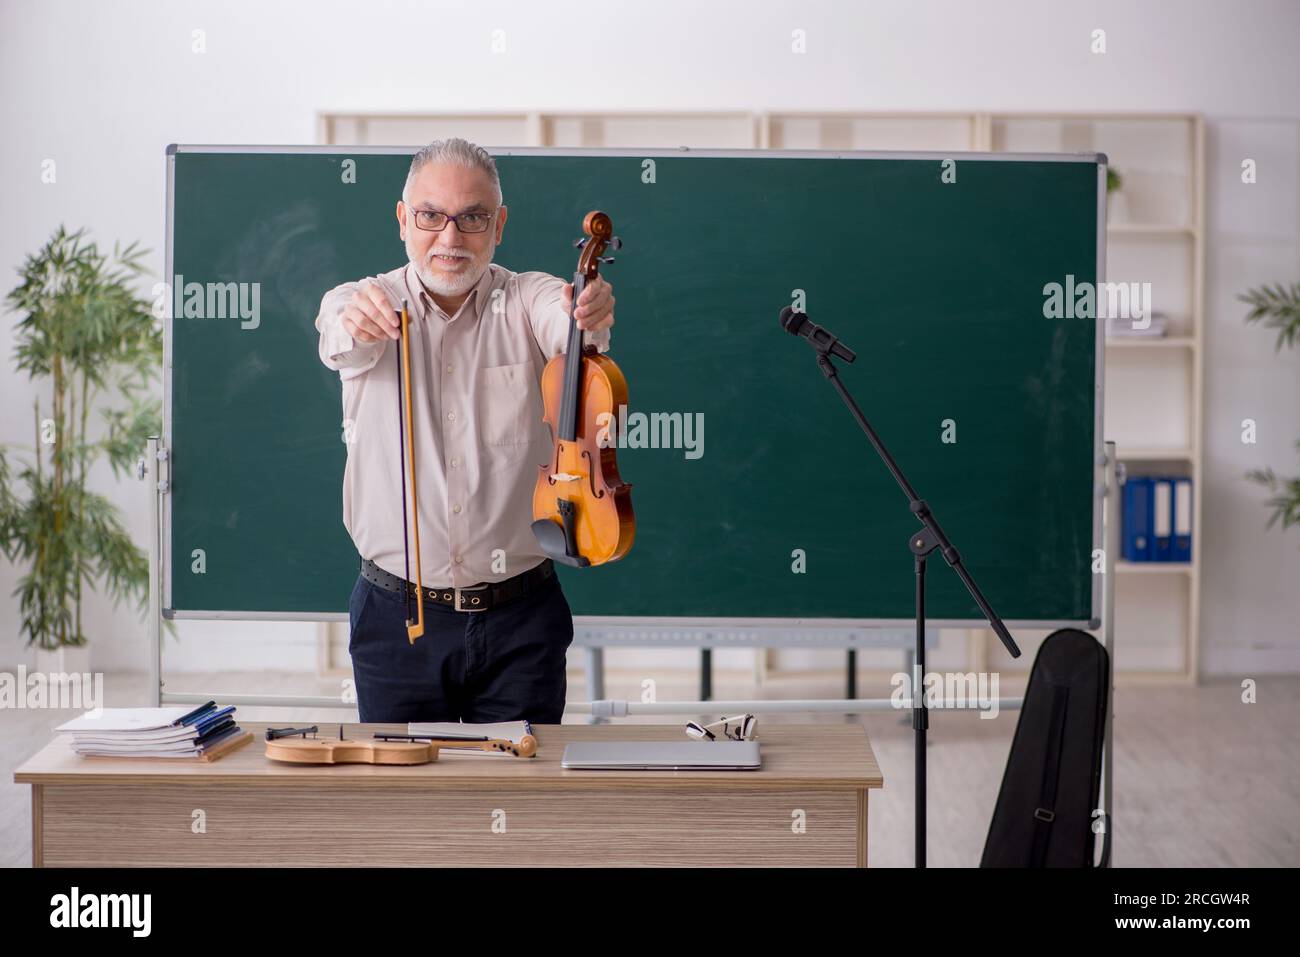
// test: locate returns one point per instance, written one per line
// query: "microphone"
(798, 324)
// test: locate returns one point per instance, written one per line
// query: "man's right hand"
(369, 316)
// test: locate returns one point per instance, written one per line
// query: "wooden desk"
(116, 812)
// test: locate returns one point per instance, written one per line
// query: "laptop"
(662, 756)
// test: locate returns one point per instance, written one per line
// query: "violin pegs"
(607, 259)
(615, 242)
(579, 243)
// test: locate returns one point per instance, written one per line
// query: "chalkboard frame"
(164, 555)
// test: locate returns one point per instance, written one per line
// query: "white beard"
(449, 285)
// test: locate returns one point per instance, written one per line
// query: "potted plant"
(1278, 307)
(83, 331)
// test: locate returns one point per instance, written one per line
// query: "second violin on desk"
(391, 749)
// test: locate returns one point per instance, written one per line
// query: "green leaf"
(83, 329)
(1275, 307)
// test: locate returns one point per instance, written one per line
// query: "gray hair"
(458, 151)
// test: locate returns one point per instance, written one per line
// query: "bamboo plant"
(1277, 307)
(84, 333)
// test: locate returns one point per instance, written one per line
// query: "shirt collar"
(424, 302)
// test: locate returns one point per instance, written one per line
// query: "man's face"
(450, 262)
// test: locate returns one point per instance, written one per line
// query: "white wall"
(102, 87)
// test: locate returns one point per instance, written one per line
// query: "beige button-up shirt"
(477, 420)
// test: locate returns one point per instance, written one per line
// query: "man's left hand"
(595, 305)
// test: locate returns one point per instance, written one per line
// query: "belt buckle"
(473, 601)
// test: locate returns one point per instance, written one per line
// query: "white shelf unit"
(1156, 234)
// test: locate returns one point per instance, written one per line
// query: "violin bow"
(406, 454)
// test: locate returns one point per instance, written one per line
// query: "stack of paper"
(175, 732)
(1153, 327)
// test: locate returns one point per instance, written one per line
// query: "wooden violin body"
(581, 472)
(311, 751)
(314, 751)
(582, 509)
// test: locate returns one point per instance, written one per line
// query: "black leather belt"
(478, 597)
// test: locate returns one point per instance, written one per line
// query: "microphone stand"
(921, 544)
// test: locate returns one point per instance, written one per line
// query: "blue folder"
(1137, 525)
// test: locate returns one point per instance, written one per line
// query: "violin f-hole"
(591, 475)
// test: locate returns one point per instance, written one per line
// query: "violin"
(582, 509)
(407, 750)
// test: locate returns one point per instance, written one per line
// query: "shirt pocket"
(509, 404)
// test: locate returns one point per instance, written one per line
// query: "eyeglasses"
(466, 222)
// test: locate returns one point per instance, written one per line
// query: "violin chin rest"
(550, 535)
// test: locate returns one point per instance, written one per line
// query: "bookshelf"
(1155, 232)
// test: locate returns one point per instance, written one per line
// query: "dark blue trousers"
(503, 664)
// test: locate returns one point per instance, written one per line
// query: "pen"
(185, 719)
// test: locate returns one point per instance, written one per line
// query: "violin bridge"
(565, 477)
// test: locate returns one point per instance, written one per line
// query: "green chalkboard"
(938, 286)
